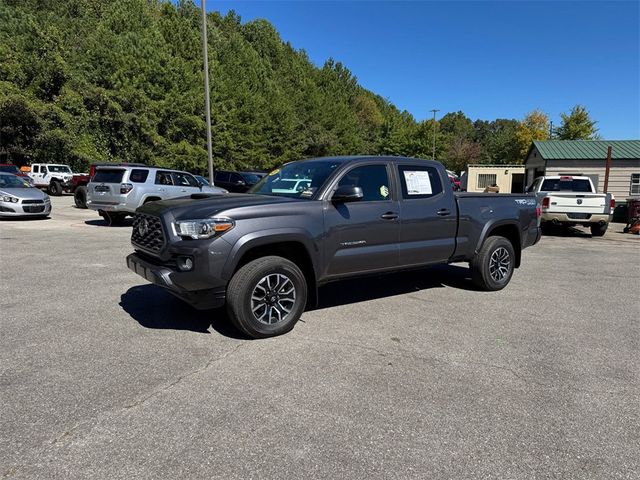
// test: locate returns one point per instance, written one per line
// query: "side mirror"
(347, 193)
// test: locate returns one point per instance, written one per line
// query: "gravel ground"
(412, 375)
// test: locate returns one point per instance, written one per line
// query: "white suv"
(54, 177)
(116, 192)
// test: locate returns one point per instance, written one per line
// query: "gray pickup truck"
(266, 252)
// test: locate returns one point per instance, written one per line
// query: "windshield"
(561, 185)
(59, 168)
(296, 180)
(9, 169)
(202, 180)
(250, 178)
(11, 181)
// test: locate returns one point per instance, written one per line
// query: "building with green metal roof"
(588, 157)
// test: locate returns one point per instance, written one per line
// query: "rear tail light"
(125, 187)
(92, 171)
(538, 212)
(545, 202)
(612, 205)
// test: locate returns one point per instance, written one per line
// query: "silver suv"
(116, 192)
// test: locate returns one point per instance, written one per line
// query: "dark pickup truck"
(311, 222)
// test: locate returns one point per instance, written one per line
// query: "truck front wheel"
(55, 188)
(492, 267)
(266, 297)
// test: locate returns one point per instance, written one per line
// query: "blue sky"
(488, 59)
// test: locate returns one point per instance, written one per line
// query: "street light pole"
(207, 105)
(433, 154)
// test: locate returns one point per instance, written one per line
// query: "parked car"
(116, 191)
(291, 185)
(55, 178)
(79, 181)
(14, 170)
(265, 253)
(18, 198)
(572, 200)
(205, 183)
(237, 182)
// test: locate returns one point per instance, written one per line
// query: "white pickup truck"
(573, 200)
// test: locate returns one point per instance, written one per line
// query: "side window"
(163, 178)
(222, 177)
(236, 177)
(419, 182)
(36, 169)
(373, 179)
(43, 169)
(184, 180)
(138, 175)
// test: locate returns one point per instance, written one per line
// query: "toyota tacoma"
(265, 253)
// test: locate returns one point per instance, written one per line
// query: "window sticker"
(275, 172)
(418, 182)
(384, 191)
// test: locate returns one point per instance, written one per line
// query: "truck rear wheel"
(80, 197)
(55, 188)
(266, 297)
(598, 230)
(492, 267)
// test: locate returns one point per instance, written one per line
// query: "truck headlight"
(9, 198)
(203, 228)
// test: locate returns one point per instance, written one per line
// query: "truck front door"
(428, 216)
(363, 235)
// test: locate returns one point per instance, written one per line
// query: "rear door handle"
(389, 216)
(443, 212)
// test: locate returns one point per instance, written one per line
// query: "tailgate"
(578, 202)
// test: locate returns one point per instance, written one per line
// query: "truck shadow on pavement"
(381, 286)
(99, 222)
(153, 307)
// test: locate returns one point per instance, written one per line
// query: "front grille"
(34, 209)
(579, 216)
(147, 232)
(32, 201)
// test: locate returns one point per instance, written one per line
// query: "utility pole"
(433, 154)
(207, 105)
(550, 129)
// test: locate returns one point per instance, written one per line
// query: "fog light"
(185, 264)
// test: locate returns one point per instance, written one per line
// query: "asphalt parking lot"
(412, 375)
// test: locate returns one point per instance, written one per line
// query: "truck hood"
(191, 208)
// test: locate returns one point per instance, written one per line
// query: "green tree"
(534, 126)
(577, 125)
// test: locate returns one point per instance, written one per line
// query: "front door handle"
(389, 216)
(443, 212)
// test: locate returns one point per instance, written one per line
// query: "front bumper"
(568, 217)
(168, 278)
(10, 209)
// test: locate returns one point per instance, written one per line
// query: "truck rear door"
(428, 215)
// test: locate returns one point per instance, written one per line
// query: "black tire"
(55, 188)
(598, 230)
(251, 279)
(80, 197)
(492, 267)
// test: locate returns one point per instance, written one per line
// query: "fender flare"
(268, 237)
(490, 225)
